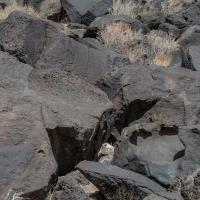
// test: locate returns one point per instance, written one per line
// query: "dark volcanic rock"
(190, 37)
(70, 187)
(172, 30)
(72, 110)
(194, 52)
(135, 24)
(190, 137)
(150, 149)
(119, 184)
(85, 11)
(176, 92)
(26, 158)
(54, 47)
(13, 81)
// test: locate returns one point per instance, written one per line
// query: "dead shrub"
(16, 7)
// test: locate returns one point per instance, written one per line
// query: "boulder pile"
(99, 100)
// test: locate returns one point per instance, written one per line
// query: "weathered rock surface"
(150, 149)
(54, 47)
(194, 52)
(85, 11)
(27, 161)
(72, 110)
(70, 187)
(119, 184)
(190, 162)
(101, 22)
(57, 82)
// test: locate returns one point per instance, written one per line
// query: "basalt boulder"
(56, 46)
(119, 184)
(85, 11)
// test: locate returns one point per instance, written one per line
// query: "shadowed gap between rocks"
(70, 145)
(59, 17)
(68, 150)
(132, 112)
(65, 148)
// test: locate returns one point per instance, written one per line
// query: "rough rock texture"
(150, 149)
(69, 108)
(194, 52)
(53, 48)
(85, 11)
(63, 94)
(27, 161)
(117, 183)
(135, 24)
(190, 138)
(72, 109)
(70, 187)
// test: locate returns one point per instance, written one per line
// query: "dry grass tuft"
(157, 118)
(156, 47)
(15, 7)
(129, 8)
(12, 195)
(171, 7)
(188, 191)
(133, 8)
(119, 35)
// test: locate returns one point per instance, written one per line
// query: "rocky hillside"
(99, 99)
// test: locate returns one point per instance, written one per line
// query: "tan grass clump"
(16, 7)
(119, 35)
(155, 47)
(129, 8)
(171, 7)
(161, 42)
(157, 118)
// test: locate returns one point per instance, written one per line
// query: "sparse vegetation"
(171, 7)
(157, 118)
(16, 7)
(13, 195)
(133, 9)
(129, 8)
(188, 191)
(155, 47)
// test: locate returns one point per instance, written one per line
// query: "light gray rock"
(191, 36)
(194, 52)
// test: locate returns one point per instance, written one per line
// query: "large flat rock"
(47, 45)
(116, 183)
(26, 158)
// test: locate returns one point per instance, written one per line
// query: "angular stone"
(119, 184)
(54, 47)
(150, 149)
(85, 11)
(26, 158)
(194, 52)
(72, 109)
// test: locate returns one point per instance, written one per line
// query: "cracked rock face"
(63, 94)
(33, 101)
(72, 110)
(150, 149)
